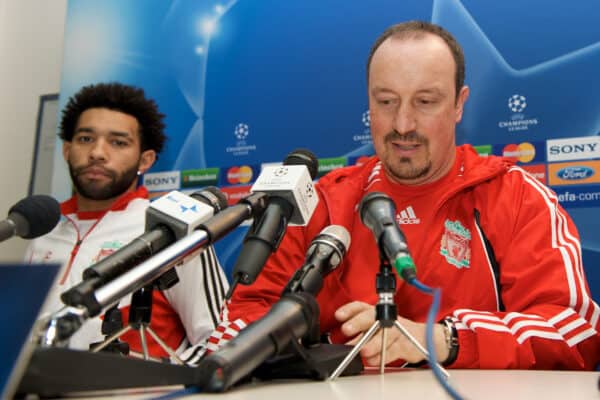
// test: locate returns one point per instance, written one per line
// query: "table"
(405, 384)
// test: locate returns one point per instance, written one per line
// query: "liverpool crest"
(455, 244)
(106, 249)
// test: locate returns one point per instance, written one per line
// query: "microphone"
(168, 219)
(323, 256)
(292, 200)
(30, 217)
(289, 319)
(292, 317)
(377, 212)
(65, 322)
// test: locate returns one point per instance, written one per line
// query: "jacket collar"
(70, 206)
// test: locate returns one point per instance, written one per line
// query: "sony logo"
(162, 180)
(573, 148)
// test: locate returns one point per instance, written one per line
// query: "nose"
(99, 150)
(405, 120)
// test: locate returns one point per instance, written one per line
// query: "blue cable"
(179, 393)
(433, 310)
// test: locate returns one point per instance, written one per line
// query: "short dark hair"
(416, 29)
(116, 96)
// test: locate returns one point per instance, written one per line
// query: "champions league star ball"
(241, 131)
(366, 118)
(517, 103)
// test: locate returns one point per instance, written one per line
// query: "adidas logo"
(407, 217)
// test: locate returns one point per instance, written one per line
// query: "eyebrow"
(432, 90)
(111, 133)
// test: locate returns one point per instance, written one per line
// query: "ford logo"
(575, 173)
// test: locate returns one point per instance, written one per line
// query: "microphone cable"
(433, 310)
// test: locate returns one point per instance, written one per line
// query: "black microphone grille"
(212, 196)
(383, 200)
(42, 213)
(304, 157)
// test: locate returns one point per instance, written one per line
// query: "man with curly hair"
(112, 133)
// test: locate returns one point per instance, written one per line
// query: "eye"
(120, 143)
(386, 101)
(426, 101)
(83, 139)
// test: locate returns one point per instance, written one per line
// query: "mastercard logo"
(524, 152)
(237, 175)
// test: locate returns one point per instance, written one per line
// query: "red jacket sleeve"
(550, 320)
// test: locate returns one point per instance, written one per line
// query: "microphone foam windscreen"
(212, 196)
(304, 157)
(42, 212)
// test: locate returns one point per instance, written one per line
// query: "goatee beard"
(117, 185)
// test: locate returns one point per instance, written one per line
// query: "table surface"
(404, 384)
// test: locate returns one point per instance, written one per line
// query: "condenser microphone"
(30, 217)
(323, 256)
(377, 212)
(168, 219)
(292, 200)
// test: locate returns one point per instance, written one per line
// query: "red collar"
(70, 206)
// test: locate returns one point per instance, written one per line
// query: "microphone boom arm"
(70, 319)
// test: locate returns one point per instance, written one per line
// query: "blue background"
(294, 73)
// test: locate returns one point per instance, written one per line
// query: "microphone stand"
(385, 318)
(140, 314)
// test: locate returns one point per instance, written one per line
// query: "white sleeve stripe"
(213, 284)
(566, 313)
(571, 326)
(460, 325)
(577, 256)
(581, 337)
(542, 334)
(512, 315)
(514, 328)
(531, 333)
(559, 241)
(556, 234)
(209, 287)
(491, 327)
(481, 320)
(212, 346)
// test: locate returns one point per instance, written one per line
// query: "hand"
(357, 317)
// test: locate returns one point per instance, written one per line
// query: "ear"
(463, 95)
(147, 159)
(66, 148)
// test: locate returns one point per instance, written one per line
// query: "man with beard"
(505, 254)
(112, 134)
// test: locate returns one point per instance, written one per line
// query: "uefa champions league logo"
(241, 131)
(366, 119)
(241, 148)
(310, 190)
(517, 103)
(364, 137)
(281, 171)
(518, 121)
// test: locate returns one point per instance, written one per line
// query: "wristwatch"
(451, 336)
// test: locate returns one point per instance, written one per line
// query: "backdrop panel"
(245, 82)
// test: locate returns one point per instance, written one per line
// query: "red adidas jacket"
(534, 312)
